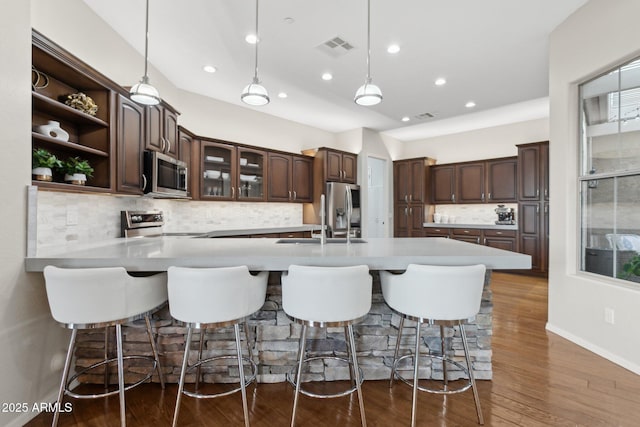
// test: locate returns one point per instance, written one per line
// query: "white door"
(376, 211)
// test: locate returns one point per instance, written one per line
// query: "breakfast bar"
(273, 336)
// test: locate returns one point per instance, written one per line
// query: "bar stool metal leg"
(303, 339)
(154, 348)
(183, 372)
(123, 414)
(349, 349)
(395, 354)
(356, 371)
(416, 364)
(471, 376)
(444, 364)
(200, 345)
(106, 356)
(65, 374)
(245, 406)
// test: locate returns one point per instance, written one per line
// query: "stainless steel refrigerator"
(337, 207)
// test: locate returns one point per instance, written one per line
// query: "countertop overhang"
(158, 254)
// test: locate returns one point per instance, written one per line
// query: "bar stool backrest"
(86, 295)
(326, 294)
(213, 295)
(435, 292)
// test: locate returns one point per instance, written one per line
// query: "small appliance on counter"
(505, 215)
(141, 223)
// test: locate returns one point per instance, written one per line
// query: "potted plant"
(631, 269)
(42, 161)
(76, 170)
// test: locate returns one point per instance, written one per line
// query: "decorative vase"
(76, 178)
(42, 174)
(53, 130)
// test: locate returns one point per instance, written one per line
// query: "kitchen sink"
(316, 241)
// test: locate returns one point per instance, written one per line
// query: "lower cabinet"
(409, 220)
(495, 238)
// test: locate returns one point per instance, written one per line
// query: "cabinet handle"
(406, 211)
(546, 209)
(295, 195)
(478, 240)
(482, 197)
(144, 182)
(485, 241)
(406, 199)
(490, 196)
(233, 192)
(537, 192)
(289, 194)
(546, 192)
(411, 197)
(453, 198)
(537, 208)
(465, 231)
(168, 145)
(162, 144)
(498, 232)
(410, 211)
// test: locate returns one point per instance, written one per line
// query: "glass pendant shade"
(255, 94)
(368, 94)
(145, 94)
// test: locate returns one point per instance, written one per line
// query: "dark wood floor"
(539, 379)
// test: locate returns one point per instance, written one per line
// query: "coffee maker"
(505, 215)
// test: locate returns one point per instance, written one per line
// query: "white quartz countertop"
(158, 254)
(476, 226)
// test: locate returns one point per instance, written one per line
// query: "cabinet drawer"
(437, 231)
(466, 232)
(500, 233)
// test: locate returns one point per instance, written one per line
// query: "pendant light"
(368, 94)
(254, 93)
(143, 93)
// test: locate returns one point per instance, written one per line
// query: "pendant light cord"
(255, 76)
(146, 41)
(368, 40)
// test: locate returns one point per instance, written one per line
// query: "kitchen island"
(273, 336)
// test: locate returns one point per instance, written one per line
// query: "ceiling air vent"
(335, 47)
(424, 116)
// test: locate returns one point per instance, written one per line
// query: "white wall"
(598, 36)
(28, 336)
(493, 142)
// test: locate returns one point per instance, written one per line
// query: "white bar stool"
(215, 297)
(327, 297)
(437, 295)
(89, 298)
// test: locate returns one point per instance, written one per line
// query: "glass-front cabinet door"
(251, 175)
(219, 169)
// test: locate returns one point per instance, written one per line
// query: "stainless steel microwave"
(164, 176)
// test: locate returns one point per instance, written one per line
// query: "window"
(610, 173)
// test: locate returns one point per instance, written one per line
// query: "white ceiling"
(493, 52)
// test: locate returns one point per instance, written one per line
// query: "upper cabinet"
(229, 172)
(129, 137)
(86, 133)
(334, 165)
(187, 142)
(487, 181)
(162, 129)
(410, 183)
(290, 178)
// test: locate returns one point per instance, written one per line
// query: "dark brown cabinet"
(55, 75)
(487, 181)
(501, 239)
(187, 142)
(130, 134)
(470, 235)
(334, 165)
(470, 180)
(533, 206)
(290, 178)
(502, 180)
(162, 129)
(495, 238)
(410, 181)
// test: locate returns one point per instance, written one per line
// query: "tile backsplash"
(471, 214)
(71, 218)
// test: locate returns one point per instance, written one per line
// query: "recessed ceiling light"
(282, 95)
(405, 119)
(394, 48)
(440, 81)
(470, 104)
(327, 76)
(289, 20)
(210, 68)
(251, 39)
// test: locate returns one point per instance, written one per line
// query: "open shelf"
(58, 109)
(70, 146)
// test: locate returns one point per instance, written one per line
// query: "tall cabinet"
(533, 204)
(410, 206)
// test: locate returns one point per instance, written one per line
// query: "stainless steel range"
(141, 223)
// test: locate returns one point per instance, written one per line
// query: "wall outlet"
(609, 315)
(72, 216)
